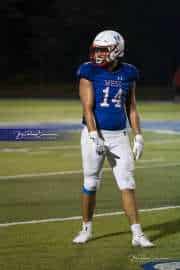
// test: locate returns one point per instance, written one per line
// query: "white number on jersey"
(106, 94)
(116, 100)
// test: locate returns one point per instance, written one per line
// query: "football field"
(40, 191)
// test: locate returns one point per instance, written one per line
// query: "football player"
(107, 92)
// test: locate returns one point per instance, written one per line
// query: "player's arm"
(134, 122)
(132, 112)
(87, 99)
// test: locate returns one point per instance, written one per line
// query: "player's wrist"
(93, 134)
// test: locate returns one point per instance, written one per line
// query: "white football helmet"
(107, 46)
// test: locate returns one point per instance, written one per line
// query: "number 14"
(117, 100)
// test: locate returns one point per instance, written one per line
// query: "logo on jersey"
(166, 265)
(112, 83)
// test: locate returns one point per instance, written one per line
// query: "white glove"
(100, 147)
(138, 146)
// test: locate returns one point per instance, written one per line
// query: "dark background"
(47, 40)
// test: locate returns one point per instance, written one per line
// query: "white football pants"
(119, 155)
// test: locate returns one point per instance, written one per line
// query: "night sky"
(47, 40)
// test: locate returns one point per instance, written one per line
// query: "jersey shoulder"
(85, 70)
(131, 71)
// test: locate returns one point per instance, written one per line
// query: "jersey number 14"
(117, 99)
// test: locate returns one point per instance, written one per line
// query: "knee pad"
(91, 184)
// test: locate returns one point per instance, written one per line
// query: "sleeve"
(134, 74)
(85, 71)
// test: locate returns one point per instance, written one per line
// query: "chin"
(103, 65)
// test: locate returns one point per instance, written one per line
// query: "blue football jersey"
(110, 92)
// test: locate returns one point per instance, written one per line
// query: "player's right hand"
(99, 142)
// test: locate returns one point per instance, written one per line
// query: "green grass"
(34, 110)
(57, 110)
(159, 110)
(49, 245)
(41, 197)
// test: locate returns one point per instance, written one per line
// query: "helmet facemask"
(100, 55)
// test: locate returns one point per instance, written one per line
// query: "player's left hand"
(138, 146)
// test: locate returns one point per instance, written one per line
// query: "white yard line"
(12, 150)
(60, 147)
(166, 141)
(30, 175)
(163, 131)
(42, 148)
(44, 174)
(160, 159)
(8, 224)
(71, 147)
